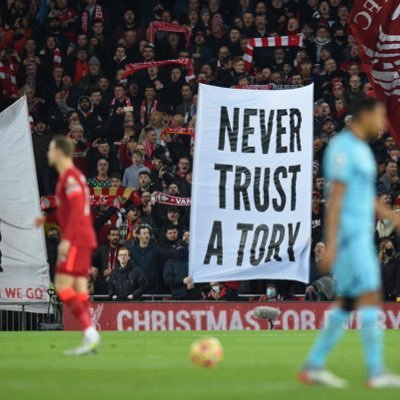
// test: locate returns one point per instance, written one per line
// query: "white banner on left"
(25, 275)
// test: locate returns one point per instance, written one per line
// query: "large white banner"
(25, 276)
(252, 184)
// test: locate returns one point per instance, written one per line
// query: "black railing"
(158, 297)
(24, 316)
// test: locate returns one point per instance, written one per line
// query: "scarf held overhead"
(167, 27)
(125, 103)
(269, 86)
(167, 199)
(185, 62)
(113, 197)
(274, 41)
(177, 131)
(99, 196)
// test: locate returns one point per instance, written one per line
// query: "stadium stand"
(135, 134)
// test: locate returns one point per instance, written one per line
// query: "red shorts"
(78, 262)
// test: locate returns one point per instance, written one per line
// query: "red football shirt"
(73, 209)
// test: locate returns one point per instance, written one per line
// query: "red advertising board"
(221, 316)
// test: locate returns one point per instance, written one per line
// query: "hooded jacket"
(91, 120)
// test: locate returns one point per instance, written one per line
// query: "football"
(206, 352)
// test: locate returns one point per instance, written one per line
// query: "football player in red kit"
(77, 240)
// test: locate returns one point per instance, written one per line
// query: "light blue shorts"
(356, 268)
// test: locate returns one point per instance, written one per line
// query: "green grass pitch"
(155, 365)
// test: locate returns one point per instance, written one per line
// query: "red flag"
(273, 41)
(376, 26)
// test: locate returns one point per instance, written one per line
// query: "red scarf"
(8, 78)
(277, 41)
(30, 73)
(56, 57)
(112, 258)
(127, 101)
(254, 87)
(99, 196)
(167, 27)
(131, 228)
(145, 112)
(167, 199)
(86, 114)
(66, 14)
(149, 148)
(112, 197)
(185, 62)
(98, 15)
(177, 131)
(81, 70)
(31, 123)
(340, 114)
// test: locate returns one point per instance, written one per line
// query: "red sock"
(77, 305)
(84, 298)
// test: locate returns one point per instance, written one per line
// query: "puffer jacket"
(127, 281)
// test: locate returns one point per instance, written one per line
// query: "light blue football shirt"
(350, 160)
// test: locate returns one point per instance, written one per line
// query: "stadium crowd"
(68, 57)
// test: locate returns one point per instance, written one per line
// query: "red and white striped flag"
(273, 41)
(376, 28)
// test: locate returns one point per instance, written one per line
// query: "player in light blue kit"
(351, 178)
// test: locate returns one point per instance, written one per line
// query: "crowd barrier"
(23, 317)
(167, 315)
(19, 316)
(220, 316)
